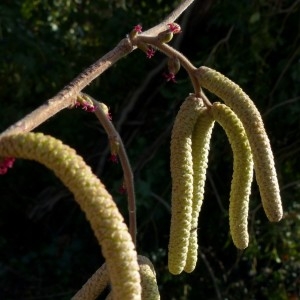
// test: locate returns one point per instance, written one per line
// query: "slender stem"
(129, 182)
(205, 99)
(114, 137)
(171, 52)
(166, 49)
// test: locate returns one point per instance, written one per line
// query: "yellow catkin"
(200, 148)
(247, 112)
(148, 280)
(92, 289)
(98, 205)
(182, 182)
(94, 286)
(242, 173)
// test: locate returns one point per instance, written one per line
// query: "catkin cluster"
(182, 182)
(245, 109)
(100, 280)
(190, 145)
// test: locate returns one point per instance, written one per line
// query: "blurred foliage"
(47, 248)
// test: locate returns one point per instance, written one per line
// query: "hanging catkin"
(200, 148)
(247, 112)
(182, 182)
(242, 173)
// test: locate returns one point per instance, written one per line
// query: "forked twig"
(67, 96)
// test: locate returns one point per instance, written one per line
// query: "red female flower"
(122, 189)
(138, 28)
(150, 52)
(89, 107)
(170, 77)
(174, 27)
(109, 116)
(114, 158)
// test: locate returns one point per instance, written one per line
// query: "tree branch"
(174, 15)
(67, 96)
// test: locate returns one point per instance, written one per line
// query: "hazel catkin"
(182, 182)
(200, 148)
(247, 112)
(242, 173)
(148, 279)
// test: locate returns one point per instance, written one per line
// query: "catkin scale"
(200, 148)
(182, 182)
(247, 112)
(242, 173)
(98, 205)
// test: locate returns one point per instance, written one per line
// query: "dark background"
(47, 249)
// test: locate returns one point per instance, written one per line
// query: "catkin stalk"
(182, 182)
(200, 148)
(242, 173)
(98, 205)
(247, 112)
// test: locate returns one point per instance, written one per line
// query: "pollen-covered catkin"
(242, 173)
(247, 112)
(100, 209)
(148, 280)
(182, 182)
(200, 148)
